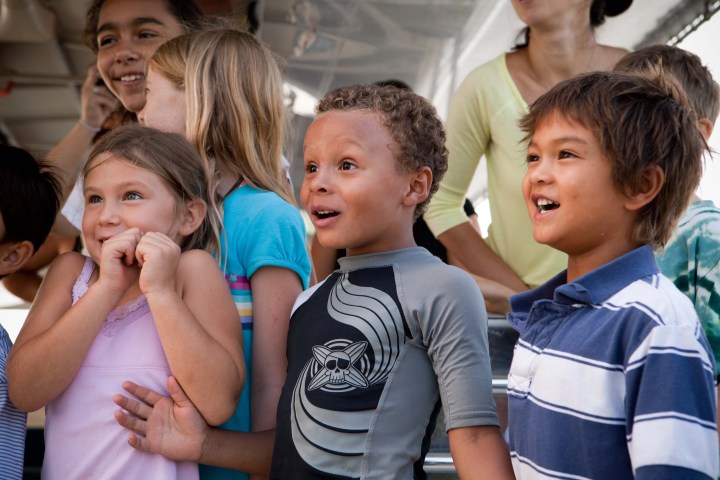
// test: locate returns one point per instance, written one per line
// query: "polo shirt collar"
(594, 287)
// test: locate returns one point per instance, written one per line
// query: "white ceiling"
(430, 44)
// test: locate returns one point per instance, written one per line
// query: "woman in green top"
(558, 43)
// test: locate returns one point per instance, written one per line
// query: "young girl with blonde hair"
(147, 302)
(223, 89)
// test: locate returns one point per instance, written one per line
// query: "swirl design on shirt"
(334, 441)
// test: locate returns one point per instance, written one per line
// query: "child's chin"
(330, 243)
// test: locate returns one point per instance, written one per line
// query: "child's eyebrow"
(135, 22)
(561, 140)
(126, 185)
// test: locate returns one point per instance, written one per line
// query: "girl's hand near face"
(96, 101)
(117, 261)
(158, 257)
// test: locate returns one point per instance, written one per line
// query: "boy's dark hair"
(638, 122)
(411, 120)
(29, 197)
(702, 90)
(185, 11)
(393, 82)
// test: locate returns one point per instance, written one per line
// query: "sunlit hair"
(186, 12)
(638, 122)
(411, 120)
(170, 59)
(235, 113)
(702, 90)
(173, 159)
(235, 108)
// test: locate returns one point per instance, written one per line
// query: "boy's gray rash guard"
(371, 351)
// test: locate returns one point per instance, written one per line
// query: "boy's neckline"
(381, 258)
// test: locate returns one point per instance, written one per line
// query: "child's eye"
(567, 154)
(133, 196)
(346, 165)
(532, 157)
(94, 199)
(147, 35)
(311, 168)
(105, 40)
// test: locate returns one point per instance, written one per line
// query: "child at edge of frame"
(376, 348)
(28, 190)
(612, 376)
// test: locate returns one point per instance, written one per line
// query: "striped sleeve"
(12, 423)
(670, 404)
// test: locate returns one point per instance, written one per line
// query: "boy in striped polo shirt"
(612, 377)
(28, 205)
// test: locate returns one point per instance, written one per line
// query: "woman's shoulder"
(490, 81)
(608, 57)
(492, 68)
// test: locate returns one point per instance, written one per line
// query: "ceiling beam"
(680, 21)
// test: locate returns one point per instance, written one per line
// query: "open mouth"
(322, 214)
(131, 77)
(545, 205)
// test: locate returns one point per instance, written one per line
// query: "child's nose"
(126, 52)
(540, 171)
(109, 215)
(320, 182)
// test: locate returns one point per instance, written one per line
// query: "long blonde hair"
(235, 114)
(235, 109)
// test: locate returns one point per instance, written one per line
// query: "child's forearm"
(480, 453)
(246, 452)
(45, 360)
(210, 375)
(263, 404)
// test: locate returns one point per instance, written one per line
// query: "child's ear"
(706, 128)
(419, 187)
(650, 185)
(193, 216)
(13, 255)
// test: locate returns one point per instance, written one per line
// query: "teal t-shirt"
(261, 230)
(691, 259)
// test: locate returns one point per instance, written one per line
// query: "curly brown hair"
(411, 120)
(639, 122)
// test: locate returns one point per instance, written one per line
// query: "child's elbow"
(222, 413)
(225, 408)
(21, 400)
